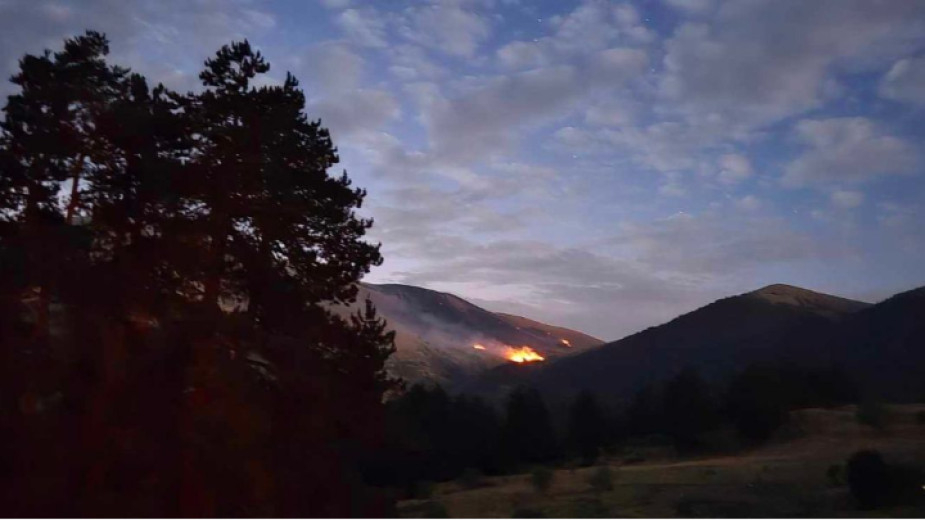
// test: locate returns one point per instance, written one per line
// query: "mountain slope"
(435, 334)
(716, 339)
(568, 337)
(883, 347)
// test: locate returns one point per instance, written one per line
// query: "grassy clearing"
(786, 478)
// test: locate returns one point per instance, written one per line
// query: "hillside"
(436, 332)
(717, 339)
(883, 346)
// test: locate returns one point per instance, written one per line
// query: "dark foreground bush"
(867, 478)
(875, 484)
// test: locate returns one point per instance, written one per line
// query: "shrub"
(601, 479)
(875, 484)
(471, 478)
(541, 478)
(868, 478)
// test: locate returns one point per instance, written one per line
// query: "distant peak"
(781, 289)
(781, 293)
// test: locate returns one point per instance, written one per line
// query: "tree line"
(435, 436)
(168, 266)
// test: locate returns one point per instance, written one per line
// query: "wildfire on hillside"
(478, 346)
(565, 342)
(522, 354)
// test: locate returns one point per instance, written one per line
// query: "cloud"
(846, 199)
(593, 26)
(672, 189)
(336, 4)
(411, 63)
(748, 203)
(667, 146)
(905, 81)
(365, 26)
(335, 67)
(182, 33)
(446, 26)
(523, 55)
(734, 168)
(850, 149)
(485, 119)
(611, 112)
(692, 7)
(361, 109)
(760, 61)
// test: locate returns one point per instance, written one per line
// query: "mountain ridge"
(715, 339)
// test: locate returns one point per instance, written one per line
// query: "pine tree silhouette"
(170, 264)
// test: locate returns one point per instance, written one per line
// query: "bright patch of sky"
(594, 164)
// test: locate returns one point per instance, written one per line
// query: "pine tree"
(48, 137)
(195, 255)
(280, 238)
(587, 427)
(48, 142)
(527, 436)
(757, 402)
(687, 409)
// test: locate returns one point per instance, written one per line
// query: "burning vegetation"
(522, 354)
(565, 342)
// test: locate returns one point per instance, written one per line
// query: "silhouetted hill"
(883, 347)
(436, 331)
(717, 339)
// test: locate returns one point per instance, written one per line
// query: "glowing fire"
(523, 354)
(566, 342)
(478, 347)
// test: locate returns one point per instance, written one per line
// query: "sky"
(600, 165)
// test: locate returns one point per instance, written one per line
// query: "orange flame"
(478, 347)
(523, 354)
(566, 342)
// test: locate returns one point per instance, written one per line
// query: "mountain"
(883, 347)
(717, 339)
(436, 333)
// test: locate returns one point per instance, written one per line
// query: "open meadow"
(799, 473)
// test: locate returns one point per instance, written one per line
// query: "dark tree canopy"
(757, 402)
(527, 435)
(169, 266)
(588, 427)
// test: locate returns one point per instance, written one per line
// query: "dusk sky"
(599, 165)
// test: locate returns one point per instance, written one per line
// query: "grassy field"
(785, 478)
